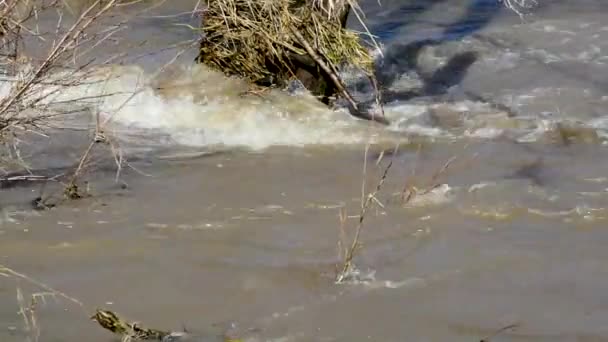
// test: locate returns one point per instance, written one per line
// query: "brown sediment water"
(230, 211)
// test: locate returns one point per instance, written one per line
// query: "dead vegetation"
(254, 39)
(272, 42)
(348, 248)
(284, 33)
(27, 105)
(38, 91)
(415, 187)
(419, 185)
(29, 303)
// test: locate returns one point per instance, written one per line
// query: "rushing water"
(229, 208)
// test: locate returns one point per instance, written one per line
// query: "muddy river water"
(228, 213)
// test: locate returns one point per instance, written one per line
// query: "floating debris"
(133, 331)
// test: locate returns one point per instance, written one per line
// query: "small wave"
(202, 108)
(195, 106)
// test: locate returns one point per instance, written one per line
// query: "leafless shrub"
(30, 89)
(36, 93)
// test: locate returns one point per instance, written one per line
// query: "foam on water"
(195, 106)
(203, 108)
(198, 107)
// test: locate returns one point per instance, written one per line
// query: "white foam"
(405, 117)
(198, 107)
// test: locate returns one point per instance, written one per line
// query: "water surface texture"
(228, 213)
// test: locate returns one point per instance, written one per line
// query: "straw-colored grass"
(258, 39)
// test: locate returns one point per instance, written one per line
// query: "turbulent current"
(221, 206)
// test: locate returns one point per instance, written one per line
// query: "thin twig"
(499, 331)
(347, 262)
(10, 271)
(318, 59)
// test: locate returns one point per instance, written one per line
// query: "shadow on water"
(478, 15)
(402, 58)
(439, 82)
(402, 16)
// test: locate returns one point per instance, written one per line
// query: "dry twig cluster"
(36, 92)
(30, 86)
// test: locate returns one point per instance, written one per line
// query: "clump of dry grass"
(255, 39)
(269, 41)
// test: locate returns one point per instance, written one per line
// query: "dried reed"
(348, 250)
